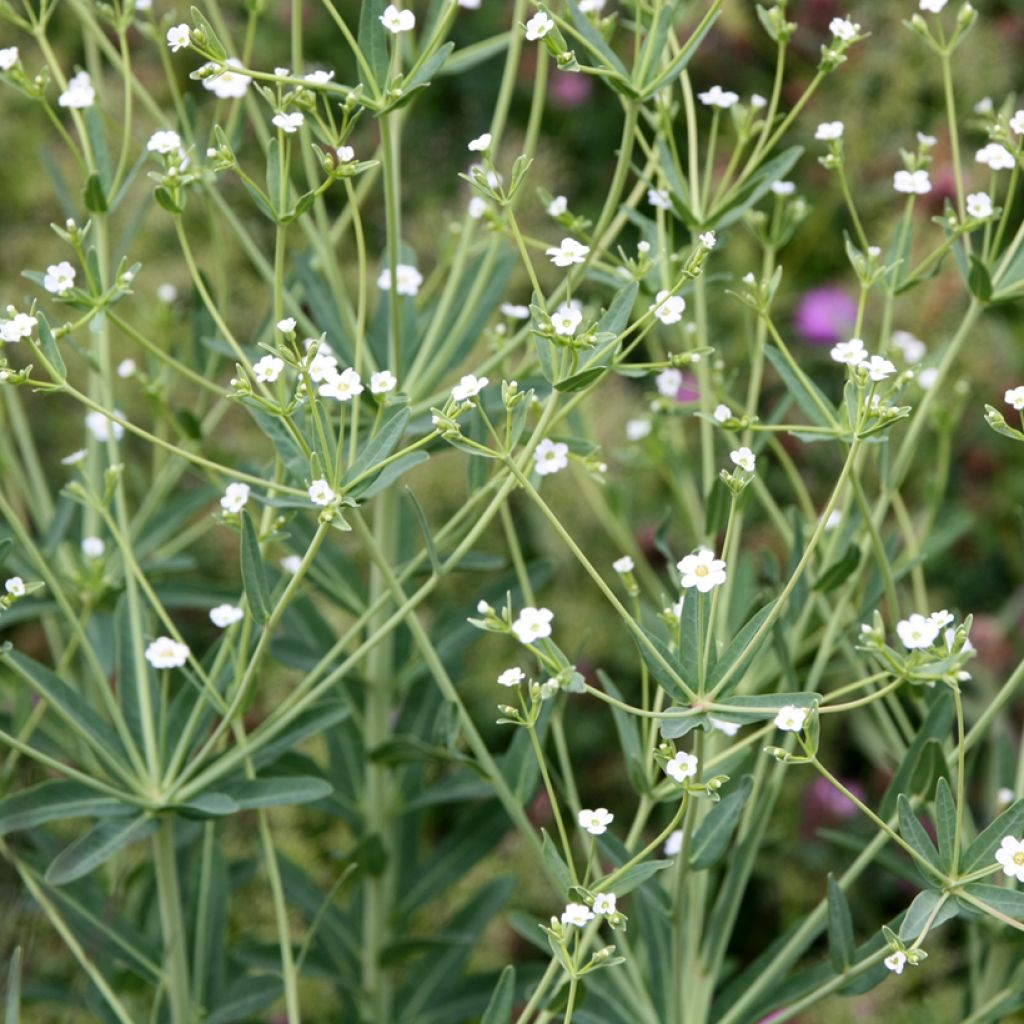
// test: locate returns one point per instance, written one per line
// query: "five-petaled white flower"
(722, 413)
(933, 6)
(879, 368)
(996, 157)
(60, 278)
(744, 458)
(268, 369)
(682, 767)
(595, 821)
(342, 386)
(914, 183)
(318, 77)
(604, 904)
(382, 382)
(539, 26)
(19, 326)
(577, 914)
(1017, 123)
(668, 308)
(164, 142)
(701, 570)
(790, 718)
(286, 325)
(165, 652)
(912, 347)
(79, 93)
(557, 206)
(979, 205)
(321, 493)
(829, 131)
(15, 586)
(550, 457)
(288, 123)
(480, 144)
(568, 252)
(396, 20)
(468, 387)
(659, 198)
(844, 29)
(511, 677)
(716, 96)
(898, 960)
(623, 564)
(178, 37)
(236, 497)
(708, 239)
(8, 58)
(1015, 397)
(1011, 855)
(408, 277)
(228, 85)
(533, 624)
(850, 353)
(917, 632)
(93, 547)
(669, 381)
(102, 427)
(566, 319)
(225, 615)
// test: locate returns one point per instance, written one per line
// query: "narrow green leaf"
(740, 653)
(626, 725)
(637, 875)
(615, 318)
(739, 200)
(557, 868)
(499, 1009)
(1006, 901)
(382, 444)
(758, 707)
(981, 853)
(56, 800)
(936, 725)
(914, 832)
(284, 791)
(97, 846)
(595, 42)
(48, 346)
(12, 1004)
(246, 997)
(841, 944)
(681, 60)
(389, 474)
(945, 823)
(274, 177)
(581, 380)
(839, 571)
(921, 910)
(802, 389)
(666, 668)
(979, 280)
(428, 540)
(92, 195)
(166, 200)
(712, 838)
(373, 42)
(254, 579)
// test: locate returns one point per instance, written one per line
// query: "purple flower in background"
(826, 315)
(824, 805)
(570, 90)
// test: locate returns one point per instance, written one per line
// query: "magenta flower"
(826, 315)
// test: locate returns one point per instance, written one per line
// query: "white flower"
(604, 903)
(595, 822)
(167, 293)
(74, 458)
(236, 497)
(927, 377)
(480, 144)
(288, 123)
(984, 105)
(228, 85)
(933, 6)
(879, 368)
(102, 426)
(716, 96)
(126, 368)
(539, 26)
(514, 312)
(1017, 123)
(722, 413)
(468, 387)
(477, 207)
(321, 493)
(550, 457)
(60, 278)
(15, 586)
(533, 624)
(1004, 797)
(164, 652)
(791, 718)
(591, 6)
(268, 369)
(898, 960)
(19, 326)
(915, 183)
(659, 199)
(729, 728)
(674, 843)
(511, 677)
(917, 632)
(8, 58)
(557, 206)
(178, 37)
(1011, 855)
(382, 382)
(566, 319)
(682, 767)
(708, 239)
(291, 564)
(409, 279)
(913, 348)
(165, 143)
(997, 157)
(470, 5)
(93, 547)
(941, 619)
(395, 20)
(835, 517)
(638, 429)
(319, 77)
(1015, 397)
(225, 615)
(669, 381)
(79, 93)
(623, 564)
(282, 72)
(668, 308)
(979, 204)
(577, 914)
(568, 252)
(844, 29)
(702, 570)
(784, 188)
(744, 458)
(829, 131)
(343, 386)
(849, 353)
(757, 101)
(549, 688)
(345, 154)
(286, 325)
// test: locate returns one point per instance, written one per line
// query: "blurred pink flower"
(826, 315)
(825, 805)
(570, 90)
